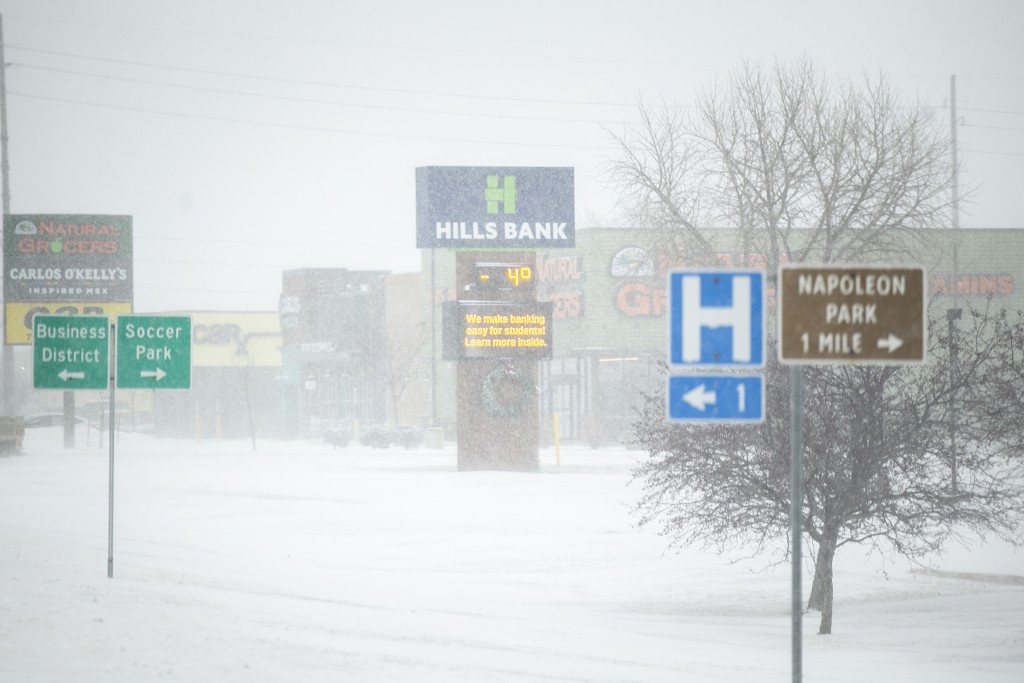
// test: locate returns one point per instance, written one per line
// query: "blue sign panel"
(484, 207)
(716, 318)
(716, 398)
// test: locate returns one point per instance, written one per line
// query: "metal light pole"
(8, 351)
(953, 313)
(796, 446)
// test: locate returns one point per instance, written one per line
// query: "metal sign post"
(796, 487)
(74, 352)
(839, 314)
(110, 483)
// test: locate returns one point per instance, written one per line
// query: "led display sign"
(497, 329)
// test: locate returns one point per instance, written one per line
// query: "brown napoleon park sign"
(841, 314)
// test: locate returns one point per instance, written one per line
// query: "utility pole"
(953, 313)
(8, 351)
(954, 153)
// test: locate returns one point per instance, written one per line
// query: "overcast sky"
(250, 136)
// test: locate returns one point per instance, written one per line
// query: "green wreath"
(505, 392)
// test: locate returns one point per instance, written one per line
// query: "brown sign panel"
(851, 314)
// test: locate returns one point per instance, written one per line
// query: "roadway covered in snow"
(303, 563)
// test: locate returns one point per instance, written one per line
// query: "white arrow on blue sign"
(716, 318)
(716, 398)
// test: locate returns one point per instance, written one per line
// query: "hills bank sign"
(482, 207)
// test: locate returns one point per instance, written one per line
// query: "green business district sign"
(495, 207)
(154, 352)
(73, 352)
(70, 352)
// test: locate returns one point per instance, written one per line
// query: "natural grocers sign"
(67, 257)
(64, 264)
(489, 207)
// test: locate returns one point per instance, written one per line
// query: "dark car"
(49, 420)
(338, 437)
(381, 436)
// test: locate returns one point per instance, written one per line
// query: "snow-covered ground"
(303, 563)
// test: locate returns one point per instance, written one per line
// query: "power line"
(209, 291)
(984, 151)
(433, 47)
(993, 111)
(263, 243)
(978, 125)
(216, 264)
(304, 100)
(329, 84)
(320, 129)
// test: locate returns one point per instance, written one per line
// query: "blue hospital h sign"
(716, 318)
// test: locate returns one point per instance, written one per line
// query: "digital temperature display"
(495, 274)
(503, 277)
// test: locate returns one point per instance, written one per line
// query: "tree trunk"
(248, 408)
(821, 589)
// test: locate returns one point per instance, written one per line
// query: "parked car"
(99, 411)
(381, 436)
(50, 420)
(338, 437)
(12, 431)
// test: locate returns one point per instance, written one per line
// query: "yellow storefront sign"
(236, 339)
(18, 316)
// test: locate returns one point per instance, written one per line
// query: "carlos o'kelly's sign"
(65, 264)
(489, 207)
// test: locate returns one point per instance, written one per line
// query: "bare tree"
(246, 385)
(406, 360)
(877, 457)
(799, 168)
(407, 342)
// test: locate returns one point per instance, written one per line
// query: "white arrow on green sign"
(70, 352)
(154, 352)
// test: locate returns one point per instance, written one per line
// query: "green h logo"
(506, 195)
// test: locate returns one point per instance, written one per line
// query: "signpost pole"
(111, 439)
(836, 314)
(796, 400)
(433, 337)
(7, 355)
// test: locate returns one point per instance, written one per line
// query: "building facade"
(609, 297)
(236, 392)
(334, 353)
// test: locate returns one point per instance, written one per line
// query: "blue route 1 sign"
(716, 318)
(716, 398)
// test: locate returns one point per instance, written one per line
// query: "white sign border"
(705, 420)
(682, 367)
(853, 361)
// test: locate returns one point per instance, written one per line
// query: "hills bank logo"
(496, 194)
(486, 207)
